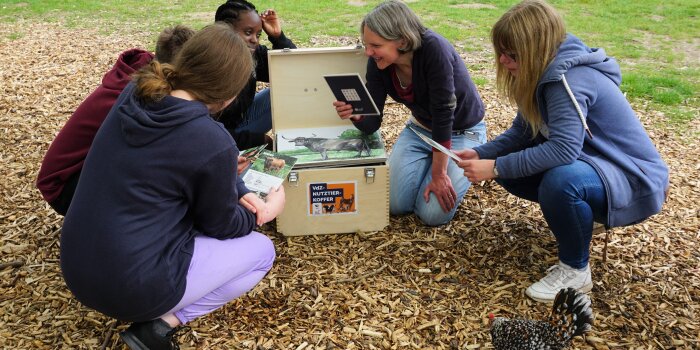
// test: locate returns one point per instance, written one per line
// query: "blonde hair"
(213, 66)
(393, 20)
(533, 31)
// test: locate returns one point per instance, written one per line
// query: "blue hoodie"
(156, 176)
(633, 173)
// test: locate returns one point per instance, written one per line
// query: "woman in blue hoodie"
(575, 146)
(160, 230)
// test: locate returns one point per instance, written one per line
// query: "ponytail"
(213, 66)
(154, 81)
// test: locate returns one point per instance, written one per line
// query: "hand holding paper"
(350, 89)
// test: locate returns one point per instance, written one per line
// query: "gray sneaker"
(558, 277)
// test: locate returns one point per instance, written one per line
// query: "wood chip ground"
(406, 287)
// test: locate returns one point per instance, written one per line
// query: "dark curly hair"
(230, 11)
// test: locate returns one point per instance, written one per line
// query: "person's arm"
(273, 29)
(566, 136)
(215, 192)
(275, 35)
(439, 77)
(246, 139)
(281, 42)
(516, 138)
(265, 210)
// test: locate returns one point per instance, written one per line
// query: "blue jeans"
(258, 117)
(410, 165)
(571, 197)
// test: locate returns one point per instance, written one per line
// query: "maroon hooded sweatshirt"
(68, 150)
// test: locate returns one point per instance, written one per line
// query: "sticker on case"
(332, 198)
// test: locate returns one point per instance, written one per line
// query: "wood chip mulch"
(408, 286)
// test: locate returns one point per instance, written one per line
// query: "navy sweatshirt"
(156, 176)
(445, 97)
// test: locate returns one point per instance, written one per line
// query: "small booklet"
(269, 169)
(436, 145)
(349, 88)
(253, 153)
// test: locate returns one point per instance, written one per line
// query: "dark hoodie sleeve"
(261, 67)
(246, 139)
(282, 42)
(215, 192)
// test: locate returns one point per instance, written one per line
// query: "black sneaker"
(151, 335)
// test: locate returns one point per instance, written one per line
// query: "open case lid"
(299, 94)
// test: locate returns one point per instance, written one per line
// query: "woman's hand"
(271, 24)
(255, 205)
(265, 211)
(243, 164)
(478, 170)
(467, 154)
(343, 109)
(274, 203)
(440, 184)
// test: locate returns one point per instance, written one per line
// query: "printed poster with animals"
(268, 170)
(337, 146)
(331, 198)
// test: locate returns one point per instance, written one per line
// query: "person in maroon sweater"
(63, 162)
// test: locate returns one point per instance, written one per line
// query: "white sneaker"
(558, 277)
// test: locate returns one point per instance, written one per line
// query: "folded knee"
(434, 217)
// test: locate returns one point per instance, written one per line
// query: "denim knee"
(434, 215)
(565, 184)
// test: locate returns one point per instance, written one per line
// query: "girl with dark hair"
(249, 117)
(575, 147)
(160, 230)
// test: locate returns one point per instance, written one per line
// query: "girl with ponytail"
(160, 230)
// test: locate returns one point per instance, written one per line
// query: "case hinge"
(293, 178)
(369, 175)
(286, 49)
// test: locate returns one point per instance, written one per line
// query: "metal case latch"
(293, 178)
(369, 175)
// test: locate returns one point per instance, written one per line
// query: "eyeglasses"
(511, 55)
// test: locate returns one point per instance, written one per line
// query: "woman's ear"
(403, 45)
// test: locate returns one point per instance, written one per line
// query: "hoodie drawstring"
(578, 108)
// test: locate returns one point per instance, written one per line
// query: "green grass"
(655, 42)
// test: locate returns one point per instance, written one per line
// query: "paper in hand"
(436, 145)
(350, 89)
(252, 153)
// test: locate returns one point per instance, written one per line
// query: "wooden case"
(329, 198)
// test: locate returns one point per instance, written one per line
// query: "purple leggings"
(223, 270)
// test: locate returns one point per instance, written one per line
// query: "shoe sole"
(585, 289)
(133, 342)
